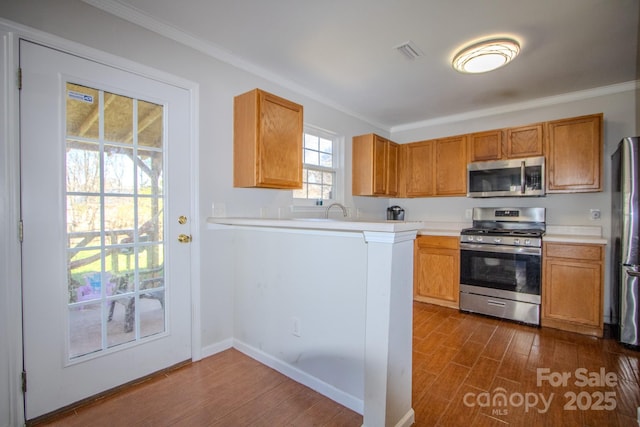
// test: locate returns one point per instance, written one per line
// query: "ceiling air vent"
(409, 49)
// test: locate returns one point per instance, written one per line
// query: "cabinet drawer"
(441, 242)
(573, 251)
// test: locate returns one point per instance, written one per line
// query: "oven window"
(510, 272)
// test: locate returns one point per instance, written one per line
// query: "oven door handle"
(500, 249)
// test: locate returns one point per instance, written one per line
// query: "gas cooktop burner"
(502, 232)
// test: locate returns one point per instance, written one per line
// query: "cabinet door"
(525, 141)
(418, 169)
(572, 287)
(450, 163)
(574, 154)
(393, 156)
(572, 291)
(280, 147)
(375, 167)
(485, 146)
(379, 165)
(267, 141)
(437, 270)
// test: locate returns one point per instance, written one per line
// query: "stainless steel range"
(501, 263)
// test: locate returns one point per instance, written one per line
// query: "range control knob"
(479, 239)
(527, 241)
(497, 240)
(516, 241)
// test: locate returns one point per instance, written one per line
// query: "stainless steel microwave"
(506, 178)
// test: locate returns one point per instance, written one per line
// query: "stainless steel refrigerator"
(625, 225)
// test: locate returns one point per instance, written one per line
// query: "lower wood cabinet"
(572, 287)
(436, 270)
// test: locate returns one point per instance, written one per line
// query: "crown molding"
(526, 105)
(164, 29)
(145, 20)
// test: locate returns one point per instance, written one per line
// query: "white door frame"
(10, 260)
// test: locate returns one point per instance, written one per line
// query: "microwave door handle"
(522, 177)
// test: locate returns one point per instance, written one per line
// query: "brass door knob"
(184, 238)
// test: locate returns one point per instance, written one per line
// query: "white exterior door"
(105, 195)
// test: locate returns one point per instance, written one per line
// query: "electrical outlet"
(594, 214)
(468, 213)
(295, 326)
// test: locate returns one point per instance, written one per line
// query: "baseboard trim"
(345, 399)
(408, 420)
(216, 348)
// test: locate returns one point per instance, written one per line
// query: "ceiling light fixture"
(486, 55)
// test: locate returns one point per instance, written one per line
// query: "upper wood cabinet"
(436, 167)
(484, 146)
(574, 154)
(393, 169)
(267, 141)
(450, 164)
(525, 141)
(510, 143)
(417, 169)
(374, 166)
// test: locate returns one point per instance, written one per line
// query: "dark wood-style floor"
(463, 365)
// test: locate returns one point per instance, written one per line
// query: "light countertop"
(555, 233)
(574, 234)
(323, 224)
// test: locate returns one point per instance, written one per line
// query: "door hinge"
(24, 381)
(20, 230)
(19, 78)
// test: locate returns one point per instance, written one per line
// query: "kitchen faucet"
(344, 210)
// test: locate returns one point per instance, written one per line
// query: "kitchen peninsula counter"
(326, 302)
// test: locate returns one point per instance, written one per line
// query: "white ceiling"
(342, 52)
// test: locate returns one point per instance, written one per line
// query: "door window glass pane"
(86, 317)
(83, 113)
(150, 124)
(83, 167)
(150, 169)
(118, 170)
(118, 118)
(115, 218)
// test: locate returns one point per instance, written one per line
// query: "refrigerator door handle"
(630, 306)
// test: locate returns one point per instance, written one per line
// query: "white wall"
(571, 209)
(219, 83)
(329, 303)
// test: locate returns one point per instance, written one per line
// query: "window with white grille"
(320, 166)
